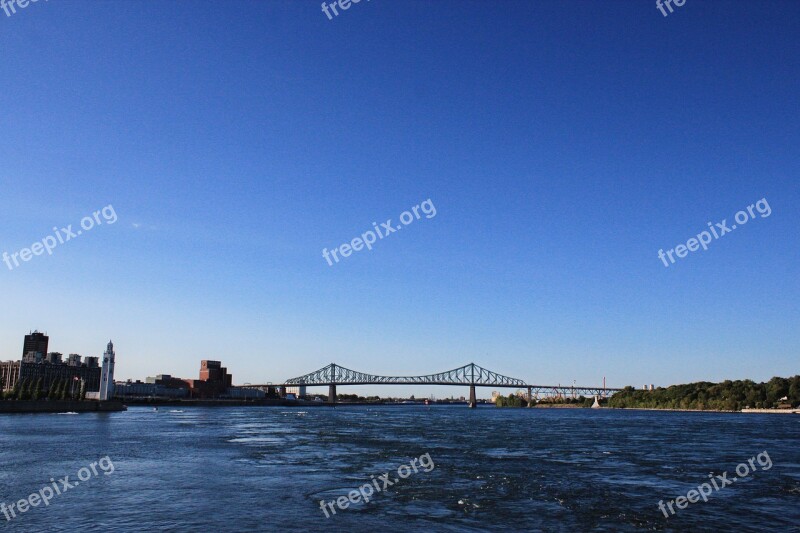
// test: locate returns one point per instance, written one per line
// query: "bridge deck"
(467, 375)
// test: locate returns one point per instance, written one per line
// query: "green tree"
(21, 390)
(37, 389)
(10, 394)
(510, 401)
(728, 395)
(51, 394)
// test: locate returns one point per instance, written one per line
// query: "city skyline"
(36, 338)
(421, 391)
(558, 168)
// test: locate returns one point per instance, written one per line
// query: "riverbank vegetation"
(517, 401)
(510, 401)
(725, 396)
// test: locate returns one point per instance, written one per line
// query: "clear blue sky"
(563, 144)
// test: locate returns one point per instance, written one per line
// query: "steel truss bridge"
(470, 375)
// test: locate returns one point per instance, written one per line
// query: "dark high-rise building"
(35, 342)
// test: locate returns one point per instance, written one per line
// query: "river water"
(267, 468)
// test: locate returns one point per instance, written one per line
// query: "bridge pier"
(332, 394)
(470, 374)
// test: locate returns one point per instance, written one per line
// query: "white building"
(107, 374)
(299, 391)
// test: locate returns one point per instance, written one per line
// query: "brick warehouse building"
(214, 381)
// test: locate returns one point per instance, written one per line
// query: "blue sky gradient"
(563, 144)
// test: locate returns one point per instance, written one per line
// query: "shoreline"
(269, 402)
(88, 406)
(672, 409)
(772, 411)
(751, 411)
(59, 406)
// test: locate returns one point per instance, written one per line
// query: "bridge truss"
(470, 375)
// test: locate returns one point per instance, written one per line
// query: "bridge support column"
(473, 402)
(332, 394)
(530, 397)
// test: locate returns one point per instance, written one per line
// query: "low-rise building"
(133, 389)
(244, 393)
(299, 391)
(50, 374)
(9, 374)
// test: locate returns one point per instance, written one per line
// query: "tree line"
(60, 389)
(726, 396)
(510, 401)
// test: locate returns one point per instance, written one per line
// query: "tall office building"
(107, 374)
(35, 342)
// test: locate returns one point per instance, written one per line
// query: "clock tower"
(107, 374)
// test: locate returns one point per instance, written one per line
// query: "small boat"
(155, 408)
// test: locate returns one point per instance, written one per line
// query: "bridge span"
(470, 375)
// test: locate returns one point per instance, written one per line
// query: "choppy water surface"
(265, 469)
